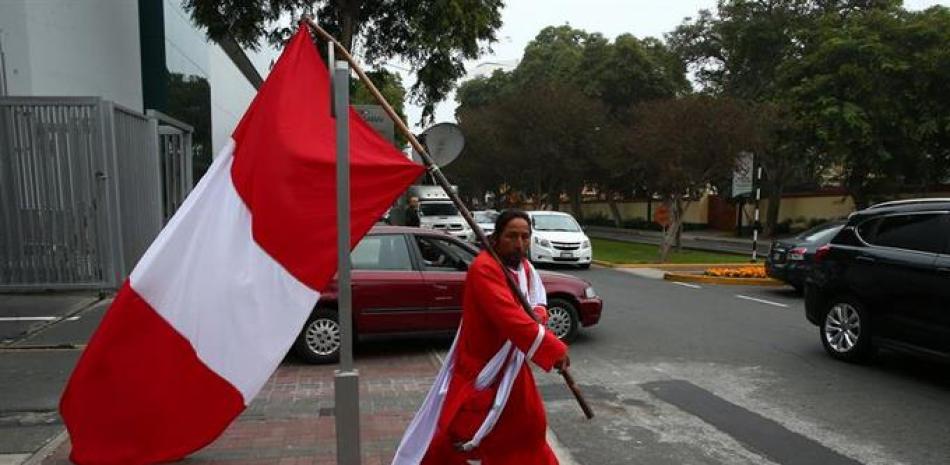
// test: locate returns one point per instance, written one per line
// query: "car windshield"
(438, 209)
(554, 223)
(821, 234)
(485, 217)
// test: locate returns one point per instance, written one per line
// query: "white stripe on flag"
(205, 275)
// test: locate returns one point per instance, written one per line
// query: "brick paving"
(291, 420)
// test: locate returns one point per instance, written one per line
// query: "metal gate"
(81, 191)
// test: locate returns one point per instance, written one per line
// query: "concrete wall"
(821, 207)
(799, 209)
(71, 48)
(696, 212)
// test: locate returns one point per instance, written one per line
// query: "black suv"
(884, 281)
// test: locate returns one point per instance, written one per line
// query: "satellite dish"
(444, 141)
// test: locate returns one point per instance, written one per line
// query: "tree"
(739, 53)
(868, 91)
(535, 141)
(433, 36)
(390, 85)
(685, 145)
(189, 99)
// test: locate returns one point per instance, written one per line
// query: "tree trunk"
(679, 233)
(554, 200)
(669, 239)
(775, 203)
(614, 211)
(348, 13)
(576, 204)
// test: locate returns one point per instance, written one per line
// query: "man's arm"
(508, 316)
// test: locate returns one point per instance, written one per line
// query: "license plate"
(567, 255)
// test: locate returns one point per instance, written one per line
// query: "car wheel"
(799, 288)
(846, 330)
(319, 341)
(562, 319)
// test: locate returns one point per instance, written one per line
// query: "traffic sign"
(661, 215)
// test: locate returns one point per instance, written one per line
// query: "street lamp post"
(346, 379)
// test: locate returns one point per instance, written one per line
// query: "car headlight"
(589, 292)
(542, 242)
(585, 245)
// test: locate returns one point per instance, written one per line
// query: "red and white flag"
(215, 303)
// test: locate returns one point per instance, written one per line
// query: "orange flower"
(751, 271)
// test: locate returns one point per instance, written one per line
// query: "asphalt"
(739, 361)
(676, 373)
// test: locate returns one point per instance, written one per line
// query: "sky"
(523, 19)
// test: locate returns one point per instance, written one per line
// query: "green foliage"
(552, 124)
(434, 36)
(390, 85)
(868, 91)
(189, 100)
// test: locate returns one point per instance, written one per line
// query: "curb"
(48, 449)
(695, 278)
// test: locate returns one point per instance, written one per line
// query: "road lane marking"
(37, 318)
(691, 286)
(762, 301)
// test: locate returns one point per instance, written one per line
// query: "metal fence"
(82, 191)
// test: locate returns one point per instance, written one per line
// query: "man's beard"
(513, 260)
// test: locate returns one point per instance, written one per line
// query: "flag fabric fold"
(216, 301)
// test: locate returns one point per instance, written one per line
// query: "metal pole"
(755, 222)
(441, 180)
(3, 68)
(346, 379)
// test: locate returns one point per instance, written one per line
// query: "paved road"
(735, 375)
(677, 374)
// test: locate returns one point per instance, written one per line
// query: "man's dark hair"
(506, 216)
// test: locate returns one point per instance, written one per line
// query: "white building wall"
(73, 48)
(92, 48)
(16, 48)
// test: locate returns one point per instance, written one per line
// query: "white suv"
(557, 238)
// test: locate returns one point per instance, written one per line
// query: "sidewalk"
(291, 421)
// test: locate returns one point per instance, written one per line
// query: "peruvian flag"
(215, 303)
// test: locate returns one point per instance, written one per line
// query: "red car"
(410, 280)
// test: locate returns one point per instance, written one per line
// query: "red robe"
(491, 316)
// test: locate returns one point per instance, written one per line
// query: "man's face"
(513, 243)
(414, 202)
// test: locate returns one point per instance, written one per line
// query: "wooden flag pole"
(440, 179)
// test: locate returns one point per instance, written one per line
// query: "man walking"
(484, 406)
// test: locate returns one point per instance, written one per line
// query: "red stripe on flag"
(139, 393)
(285, 167)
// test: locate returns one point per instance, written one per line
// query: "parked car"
(557, 238)
(884, 281)
(410, 280)
(486, 220)
(790, 259)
